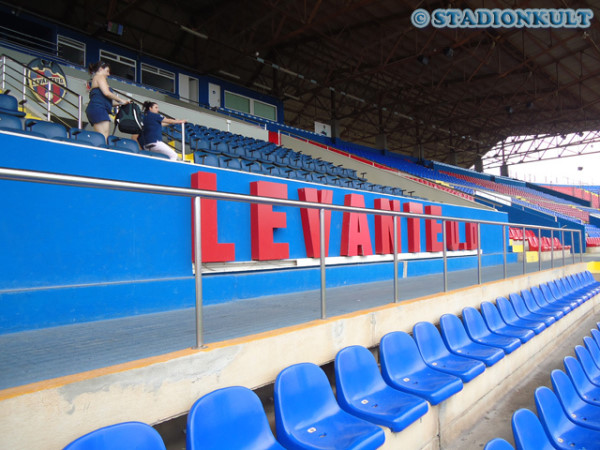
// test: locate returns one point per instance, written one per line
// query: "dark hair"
(147, 105)
(94, 67)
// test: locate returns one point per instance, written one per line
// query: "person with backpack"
(102, 98)
(152, 131)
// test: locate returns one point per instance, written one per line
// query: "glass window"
(71, 50)
(265, 110)
(237, 102)
(120, 66)
(158, 78)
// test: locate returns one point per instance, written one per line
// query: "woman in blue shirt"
(102, 98)
(152, 132)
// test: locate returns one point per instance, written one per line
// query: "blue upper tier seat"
(362, 392)
(123, 144)
(229, 418)
(122, 436)
(10, 105)
(49, 130)
(87, 137)
(436, 354)
(403, 368)
(307, 415)
(458, 342)
(479, 332)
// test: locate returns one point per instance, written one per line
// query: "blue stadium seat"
(403, 368)
(584, 387)
(532, 306)
(540, 299)
(495, 323)
(232, 418)
(580, 296)
(561, 296)
(592, 347)
(123, 144)
(436, 355)
(362, 392)
(92, 138)
(579, 411)
(49, 130)
(307, 415)
(588, 365)
(528, 432)
(10, 105)
(596, 335)
(458, 341)
(524, 313)
(498, 444)
(479, 332)
(549, 296)
(563, 433)
(122, 436)
(510, 317)
(10, 123)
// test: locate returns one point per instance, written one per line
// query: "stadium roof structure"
(448, 94)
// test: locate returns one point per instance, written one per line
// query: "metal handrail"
(197, 194)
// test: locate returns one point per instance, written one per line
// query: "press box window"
(71, 50)
(158, 78)
(265, 110)
(120, 66)
(237, 102)
(250, 106)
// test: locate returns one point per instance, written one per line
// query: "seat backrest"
(124, 144)
(49, 130)
(565, 391)
(302, 395)
(491, 316)
(587, 362)
(576, 374)
(10, 105)
(550, 412)
(539, 296)
(474, 323)
(232, 417)
(506, 309)
(8, 122)
(399, 355)
(529, 432)
(518, 304)
(592, 347)
(356, 374)
(88, 137)
(429, 341)
(596, 335)
(498, 444)
(453, 332)
(529, 301)
(122, 436)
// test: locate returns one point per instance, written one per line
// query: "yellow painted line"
(594, 266)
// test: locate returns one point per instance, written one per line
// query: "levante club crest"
(46, 80)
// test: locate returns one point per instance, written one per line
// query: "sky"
(577, 170)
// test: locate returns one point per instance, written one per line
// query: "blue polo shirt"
(152, 131)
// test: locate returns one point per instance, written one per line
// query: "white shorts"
(161, 147)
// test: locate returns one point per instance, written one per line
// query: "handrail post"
(504, 249)
(551, 248)
(48, 96)
(183, 142)
(3, 73)
(24, 83)
(322, 256)
(524, 254)
(444, 256)
(198, 273)
(562, 238)
(580, 247)
(395, 219)
(79, 108)
(573, 246)
(479, 251)
(539, 249)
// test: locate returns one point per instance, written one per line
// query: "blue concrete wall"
(78, 254)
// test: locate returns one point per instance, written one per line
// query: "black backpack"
(129, 119)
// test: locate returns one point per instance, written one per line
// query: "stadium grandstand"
(329, 263)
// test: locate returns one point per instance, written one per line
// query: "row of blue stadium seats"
(568, 415)
(429, 367)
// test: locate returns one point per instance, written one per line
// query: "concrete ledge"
(157, 389)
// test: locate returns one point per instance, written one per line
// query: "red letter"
(212, 251)
(432, 229)
(471, 236)
(384, 227)
(452, 236)
(356, 238)
(264, 221)
(310, 220)
(413, 227)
